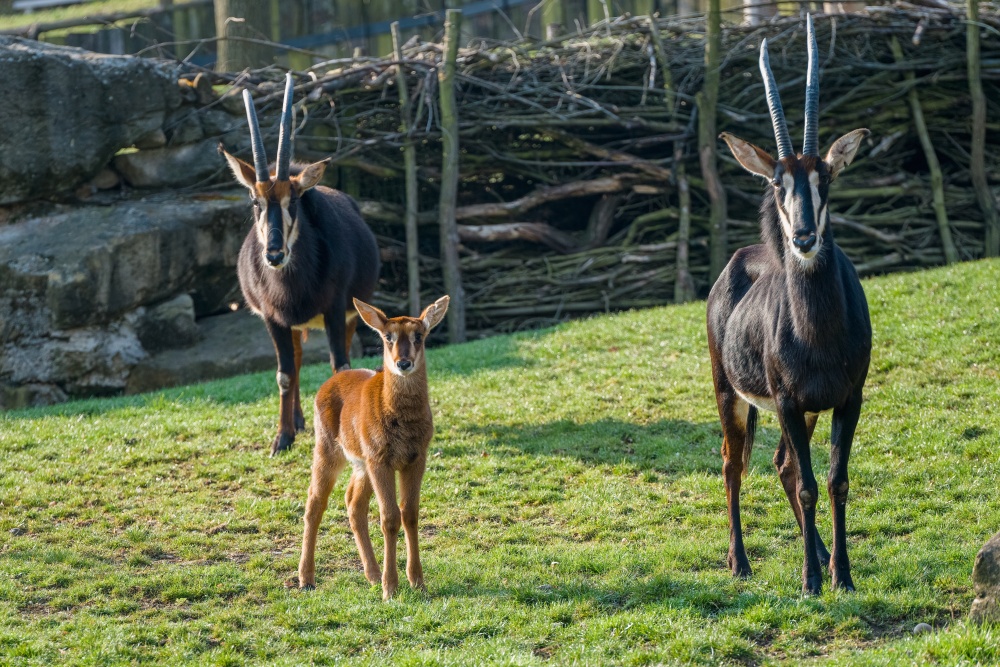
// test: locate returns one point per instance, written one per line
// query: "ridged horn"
(256, 141)
(285, 135)
(810, 144)
(774, 104)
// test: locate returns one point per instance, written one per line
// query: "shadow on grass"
(666, 446)
(703, 599)
(480, 356)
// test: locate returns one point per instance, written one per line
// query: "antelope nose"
(404, 364)
(804, 241)
(274, 258)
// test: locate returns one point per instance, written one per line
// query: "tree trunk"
(977, 155)
(707, 101)
(756, 12)
(237, 21)
(449, 178)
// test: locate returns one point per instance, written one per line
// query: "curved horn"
(285, 135)
(810, 144)
(774, 104)
(259, 155)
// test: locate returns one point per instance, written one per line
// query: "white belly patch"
(759, 402)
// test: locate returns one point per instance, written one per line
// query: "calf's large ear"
(371, 315)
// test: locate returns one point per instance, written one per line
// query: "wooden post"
(707, 101)
(449, 177)
(553, 19)
(933, 165)
(242, 18)
(977, 167)
(410, 167)
(683, 281)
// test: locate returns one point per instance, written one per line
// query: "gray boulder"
(87, 293)
(229, 344)
(168, 324)
(73, 110)
(90, 265)
(986, 583)
(173, 166)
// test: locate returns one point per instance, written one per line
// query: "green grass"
(573, 511)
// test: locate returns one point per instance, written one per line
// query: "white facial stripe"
(261, 222)
(814, 188)
(291, 234)
(789, 184)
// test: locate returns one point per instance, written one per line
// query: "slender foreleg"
(300, 420)
(845, 421)
(409, 506)
(788, 473)
(328, 461)
(793, 427)
(383, 480)
(284, 348)
(358, 495)
(336, 336)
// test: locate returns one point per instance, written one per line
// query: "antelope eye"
(389, 338)
(417, 338)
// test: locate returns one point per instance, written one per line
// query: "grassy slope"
(573, 511)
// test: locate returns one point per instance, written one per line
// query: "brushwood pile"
(568, 200)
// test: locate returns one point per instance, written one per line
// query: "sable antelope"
(308, 254)
(381, 422)
(788, 331)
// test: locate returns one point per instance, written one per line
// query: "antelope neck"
(816, 296)
(402, 394)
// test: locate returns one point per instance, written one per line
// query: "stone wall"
(115, 251)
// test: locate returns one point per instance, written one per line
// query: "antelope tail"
(751, 430)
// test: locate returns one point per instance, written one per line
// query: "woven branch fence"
(569, 200)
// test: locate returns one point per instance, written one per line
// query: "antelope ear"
(243, 172)
(753, 159)
(310, 176)
(371, 315)
(434, 313)
(842, 151)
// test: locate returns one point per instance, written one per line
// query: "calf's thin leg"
(383, 480)
(328, 461)
(358, 495)
(409, 493)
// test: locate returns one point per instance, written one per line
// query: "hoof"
(739, 566)
(843, 583)
(812, 586)
(345, 367)
(300, 423)
(293, 582)
(282, 442)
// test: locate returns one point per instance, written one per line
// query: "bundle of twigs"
(568, 201)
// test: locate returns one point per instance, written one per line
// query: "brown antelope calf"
(381, 422)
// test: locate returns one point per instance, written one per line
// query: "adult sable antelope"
(309, 253)
(788, 331)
